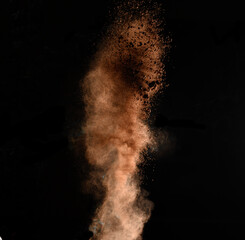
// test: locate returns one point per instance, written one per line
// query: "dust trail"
(126, 73)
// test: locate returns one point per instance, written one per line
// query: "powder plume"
(126, 72)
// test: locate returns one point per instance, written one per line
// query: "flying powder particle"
(127, 71)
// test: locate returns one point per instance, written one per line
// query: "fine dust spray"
(125, 74)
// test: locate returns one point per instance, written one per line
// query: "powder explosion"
(126, 73)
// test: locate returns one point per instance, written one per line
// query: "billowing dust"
(127, 71)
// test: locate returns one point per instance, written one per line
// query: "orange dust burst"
(126, 73)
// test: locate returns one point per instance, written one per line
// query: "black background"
(197, 180)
